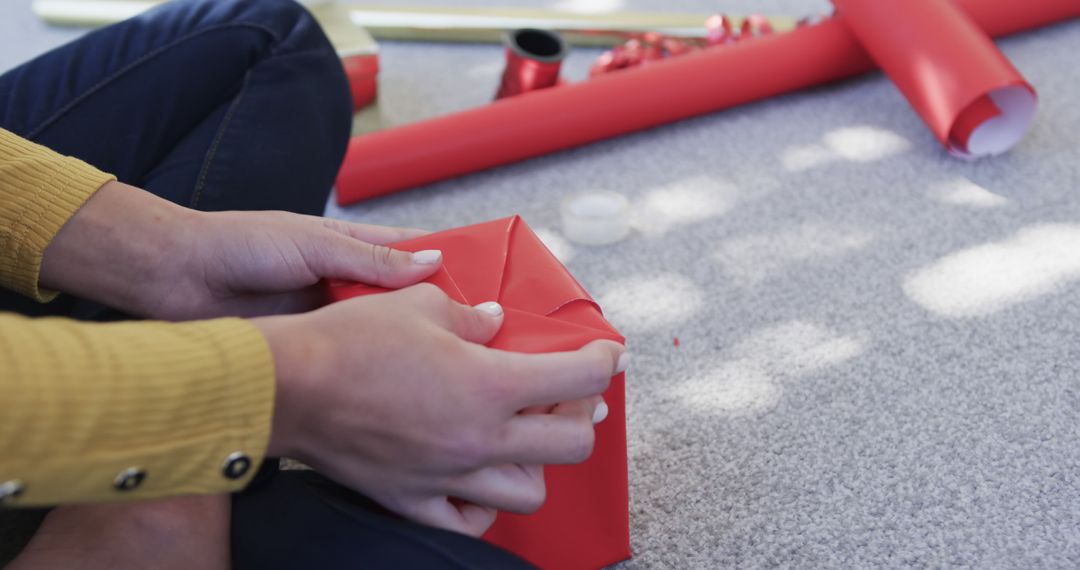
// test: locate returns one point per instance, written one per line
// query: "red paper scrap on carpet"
(585, 522)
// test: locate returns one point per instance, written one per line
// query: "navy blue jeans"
(222, 105)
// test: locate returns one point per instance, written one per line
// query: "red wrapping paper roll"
(635, 99)
(608, 105)
(974, 101)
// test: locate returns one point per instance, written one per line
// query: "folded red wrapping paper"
(584, 524)
(633, 99)
(972, 98)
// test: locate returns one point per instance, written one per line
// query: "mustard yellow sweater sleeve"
(105, 412)
(39, 191)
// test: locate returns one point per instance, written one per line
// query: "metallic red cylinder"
(533, 60)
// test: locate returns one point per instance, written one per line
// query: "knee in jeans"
(287, 19)
(279, 12)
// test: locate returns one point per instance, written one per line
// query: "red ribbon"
(653, 46)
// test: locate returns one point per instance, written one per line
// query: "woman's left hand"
(264, 263)
(133, 251)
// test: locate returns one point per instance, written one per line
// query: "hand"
(133, 251)
(263, 263)
(393, 395)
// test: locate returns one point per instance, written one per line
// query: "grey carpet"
(878, 360)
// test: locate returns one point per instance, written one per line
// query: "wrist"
(294, 359)
(118, 249)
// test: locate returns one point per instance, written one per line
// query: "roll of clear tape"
(595, 217)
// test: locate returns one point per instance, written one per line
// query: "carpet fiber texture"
(878, 349)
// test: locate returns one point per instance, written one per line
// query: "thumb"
(477, 324)
(343, 257)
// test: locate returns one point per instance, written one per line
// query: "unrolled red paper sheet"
(584, 524)
(633, 99)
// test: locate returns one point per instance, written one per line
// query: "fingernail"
(600, 413)
(427, 257)
(492, 308)
(623, 364)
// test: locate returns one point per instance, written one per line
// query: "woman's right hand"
(395, 396)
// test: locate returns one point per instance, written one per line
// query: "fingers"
(464, 517)
(475, 519)
(342, 257)
(478, 495)
(477, 324)
(512, 488)
(564, 436)
(378, 235)
(546, 379)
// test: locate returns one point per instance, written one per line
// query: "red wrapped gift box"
(585, 521)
